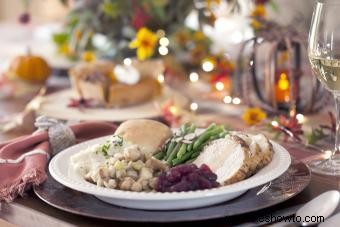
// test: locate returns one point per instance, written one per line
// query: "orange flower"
(254, 116)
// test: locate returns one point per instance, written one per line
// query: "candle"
(282, 87)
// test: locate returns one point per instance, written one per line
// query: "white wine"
(328, 72)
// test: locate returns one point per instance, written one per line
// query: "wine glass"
(324, 56)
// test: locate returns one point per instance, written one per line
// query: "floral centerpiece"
(118, 22)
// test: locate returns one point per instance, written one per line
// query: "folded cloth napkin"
(23, 160)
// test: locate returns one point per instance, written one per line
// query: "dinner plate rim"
(89, 188)
(298, 174)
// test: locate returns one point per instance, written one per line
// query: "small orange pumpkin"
(30, 68)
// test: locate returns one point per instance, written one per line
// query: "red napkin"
(15, 178)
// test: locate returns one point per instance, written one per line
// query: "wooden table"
(31, 211)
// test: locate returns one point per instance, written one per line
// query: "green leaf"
(273, 5)
(110, 9)
(72, 19)
(60, 38)
(160, 13)
(160, 3)
(315, 135)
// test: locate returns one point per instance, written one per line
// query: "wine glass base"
(326, 166)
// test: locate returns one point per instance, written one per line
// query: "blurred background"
(47, 16)
(222, 55)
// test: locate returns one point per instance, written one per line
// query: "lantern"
(277, 79)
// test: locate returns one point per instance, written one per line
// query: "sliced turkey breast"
(254, 150)
(229, 158)
(267, 151)
(237, 156)
(260, 147)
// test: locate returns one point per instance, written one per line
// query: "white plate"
(55, 105)
(62, 172)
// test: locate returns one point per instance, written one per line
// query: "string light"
(207, 66)
(193, 77)
(300, 118)
(327, 154)
(160, 33)
(275, 124)
(219, 86)
(164, 41)
(227, 99)
(127, 61)
(236, 101)
(173, 110)
(193, 106)
(163, 50)
(160, 78)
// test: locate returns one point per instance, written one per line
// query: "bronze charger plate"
(289, 184)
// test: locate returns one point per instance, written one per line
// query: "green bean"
(182, 150)
(197, 151)
(191, 160)
(195, 155)
(184, 128)
(182, 159)
(205, 136)
(223, 134)
(173, 153)
(189, 147)
(215, 137)
(181, 153)
(192, 128)
(160, 155)
(169, 149)
(211, 126)
(176, 161)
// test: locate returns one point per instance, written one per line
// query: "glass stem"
(336, 151)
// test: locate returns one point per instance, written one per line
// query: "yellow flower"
(199, 36)
(65, 49)
(256, 24)
(145, 43)
(259, 11)
(88, 56)
(78, 35)
(253, 116)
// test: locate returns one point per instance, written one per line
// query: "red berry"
(186, 177)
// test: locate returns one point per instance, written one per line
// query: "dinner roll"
(148, 134)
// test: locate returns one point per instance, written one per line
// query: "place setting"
(172, 112)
